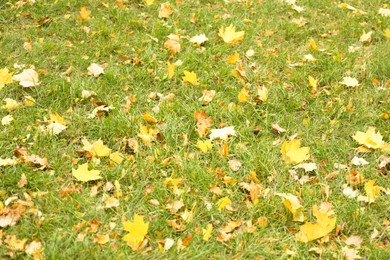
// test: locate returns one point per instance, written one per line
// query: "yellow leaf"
(222, 203)
(293, 152)
(149, 2)
(313, 83)
(83, 174)
(116, 158)
(165, 10)
(386, 34)
(229, 34)
(148, 118)
(313, 44)
(323, 226)
(371, 190)
(5, 77)
(100, 150)
(11, 104)
(233, 58)
(190, 77)
(366, 37)
(56, 118)
(370, 139)
(85, 14)
(262, 94)
(147, 135)
(204, 146)
(171, 70)
(243, 95)
(137, 231)
(293, 205)
(27, 78)
(173, 44)
(207, 232)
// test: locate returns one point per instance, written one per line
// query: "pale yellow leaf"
(229, 34)
(83, 174)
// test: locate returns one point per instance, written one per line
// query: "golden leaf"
(370, 139)
(207, 232)
(83, 174)
(173, 44)
(243, 95)
(5, 77)
(224, 202)
(233, 58)
(165, 10)
(293, 205)
(85, 14)
(137, 231)
(229, 34)
(293, 152)
(371, 190)
(204, 146)
(190, 77)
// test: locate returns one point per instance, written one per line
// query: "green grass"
(119, 35)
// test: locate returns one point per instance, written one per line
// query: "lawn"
(194, 129)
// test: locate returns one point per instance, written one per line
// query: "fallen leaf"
(223, 203)
(366, 37)
(5, 77)
(199, 39)
(168, 243)
(308, 167)
(7, 120)
(173, 44)
(229, 34)
(83, 174)
(350, 253)
(293, 205)
(207, 97)
(23, 181)
(233, 58)
(293, 152)
(243, 95)
(28, 78)
(262, 94)
(349, 82)
(234, 165)
(102, 239)
(203, 123)
(278, 128)
(85, 14)
(312, 231)
(358, 161)
(171, 70)
(370, 139)
(137, 231)
(165, 10)
(207, 232)
(95, 69)
(222, 133)
(204, 146)
(384, 12)
(371, 190)
(354, 240)
(190, 77)
(354, 177)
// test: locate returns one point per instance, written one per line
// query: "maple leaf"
(147, 135)
(313, 84)
(190, 77)
(229, 34)
(165, 10)
(85, 14)
(371, 190)
(370, 139)
(262, 94)
(293, 205)
(203, 123)
(95, 69)
(293, 152)
(204, 146)
(28, 78)
(83, 174)
(350, 82)
(243, 95)
(222, 133)
(233, 58)
(11, 104)
(137, 231)
(324, 225)
(207, 97)
(97, 149)
(5, 77)
(173, 44)
(199, 39)
(223, 203)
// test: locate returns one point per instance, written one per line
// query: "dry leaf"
(199, 39)
(371, 190)
(234, 165)
(173, 44)
(207, 232)
(85, 14)
(5, 77)
(204, 146)
(165, 10)
(366, 37)
(95, 69)
(223, 203)
(233, 58)
(207, 97)
(222, 133)
(28, 78)
(293, 205)
(349, 82)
